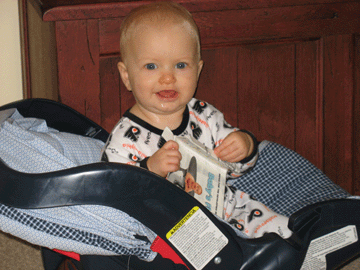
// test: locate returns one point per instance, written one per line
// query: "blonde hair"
(155, 13)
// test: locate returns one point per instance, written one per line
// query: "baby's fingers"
(225, 148)
(230, 152)
(232, 156)
(171, 145)
(172, 164)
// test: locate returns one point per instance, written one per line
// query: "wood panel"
(309, 101)
(266, 91)
(57, 10)
(115, 99)
(218, 28)
(285, 22)
(110, 95)
(338, 109)
(218, 81)
(39, 54)
(356, 132)
(109, 36)
(78, 62)
(60, 5)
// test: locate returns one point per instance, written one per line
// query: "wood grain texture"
(218, 81)
(78, 62)
(356, 132)
(338, 109)
(110, 96)
(308, 102)
(266, 90)
(230, 27)
(115, 99)
(56, 10)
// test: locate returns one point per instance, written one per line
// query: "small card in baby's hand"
(201, 173)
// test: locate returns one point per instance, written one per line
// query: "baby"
(161, 64)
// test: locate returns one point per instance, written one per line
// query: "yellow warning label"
(181, 222)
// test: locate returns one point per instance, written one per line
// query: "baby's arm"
(165, 160)
(235, 147)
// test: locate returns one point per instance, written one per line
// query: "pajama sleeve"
(220, 129)
(121, 146)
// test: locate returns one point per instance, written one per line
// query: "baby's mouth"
(167, 94)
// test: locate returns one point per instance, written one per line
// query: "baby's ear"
(200, 66)
(124, 75)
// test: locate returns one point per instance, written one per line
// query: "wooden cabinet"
(287, 70)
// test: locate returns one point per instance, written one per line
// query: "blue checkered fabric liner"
(285, 181)
(71, 234)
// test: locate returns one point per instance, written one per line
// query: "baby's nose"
(167, 78)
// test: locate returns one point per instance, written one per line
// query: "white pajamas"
(252, 217)
(133, 140)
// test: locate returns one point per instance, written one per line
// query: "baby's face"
(161, 68)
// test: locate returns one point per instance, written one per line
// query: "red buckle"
(161, 247)
(70, 254)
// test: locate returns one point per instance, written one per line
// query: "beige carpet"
(355, 265)
(17, 255)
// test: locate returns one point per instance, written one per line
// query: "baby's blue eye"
(181, 65)
(150, 66)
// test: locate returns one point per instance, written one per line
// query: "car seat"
(327, 223)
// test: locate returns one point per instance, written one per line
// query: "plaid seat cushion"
(285, 181)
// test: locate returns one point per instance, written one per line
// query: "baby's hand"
(165, 160)
(235, 147)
